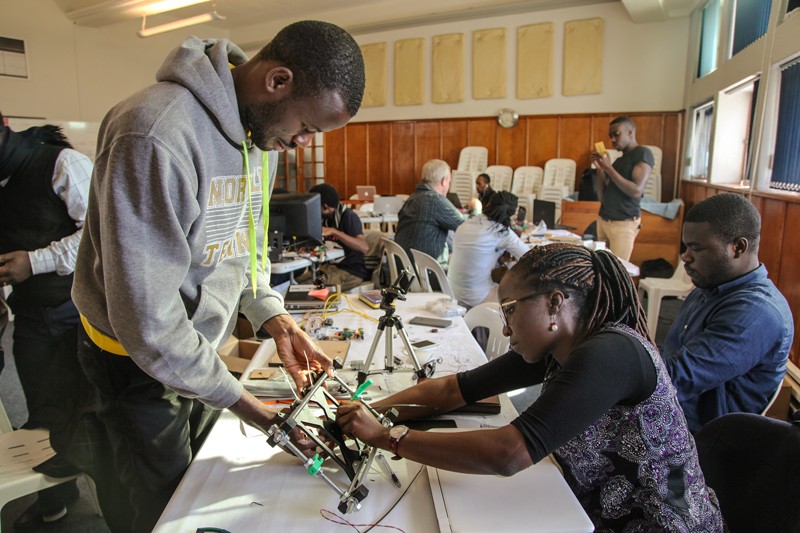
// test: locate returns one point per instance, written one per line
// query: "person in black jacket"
(44, 187)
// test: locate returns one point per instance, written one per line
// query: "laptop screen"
(366, 193)
(454, 199)
(544, 210)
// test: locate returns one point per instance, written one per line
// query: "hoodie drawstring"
(251, 219)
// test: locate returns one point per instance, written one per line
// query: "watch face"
(398, 431)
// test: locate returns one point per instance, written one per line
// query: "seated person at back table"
(484, 188)
(608, 410)
(427, 215)
(477, 246)
(340, 224)
(728, 345)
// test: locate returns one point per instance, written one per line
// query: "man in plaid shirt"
(428, 215)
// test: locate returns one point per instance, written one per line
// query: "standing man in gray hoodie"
(169, 255)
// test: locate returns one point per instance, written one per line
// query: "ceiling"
(357, 16)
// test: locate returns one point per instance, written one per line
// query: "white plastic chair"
(395, 252)
(487, 315)
(473, 158)
(772, 399)
(657, 288)
(20, 451)
(658, 157)
(526, 201)
(462, 182)
(560, 172)
(527, 180)
(652, 187)
(501, 177)
(425, 264)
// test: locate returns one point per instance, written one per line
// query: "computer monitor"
(298, 216)
(544, 210)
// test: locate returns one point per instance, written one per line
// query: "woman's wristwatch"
(396, 434)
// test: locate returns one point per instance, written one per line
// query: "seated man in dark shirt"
(484, 188)
(727, 349)
(342, 225)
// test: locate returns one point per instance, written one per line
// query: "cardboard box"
(240, 347)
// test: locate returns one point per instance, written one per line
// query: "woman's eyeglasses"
(507, 308)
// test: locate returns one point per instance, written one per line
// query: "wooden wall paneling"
(789, 283)
(600, 131)
(483, 132)
(336, 159)
(773, 219)
(574, 136)
(673, 124)
(379, 161)
(511, 144)
(542, 140)
(650, 129)
(404, 174)
(356, 157)
(427, 136)
(454, 138)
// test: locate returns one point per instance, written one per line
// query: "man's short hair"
(327, 194)
(486, 177)
(434, 172)
(730, 216)
(322, 57)
(624, 119)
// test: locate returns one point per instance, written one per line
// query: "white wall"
(77, 73)
(643, 65)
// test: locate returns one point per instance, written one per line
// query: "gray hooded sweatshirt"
(163, 266)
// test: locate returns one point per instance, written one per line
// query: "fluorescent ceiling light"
(162, 6)
(178, 24)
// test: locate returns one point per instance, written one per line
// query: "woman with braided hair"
(478, 244)
(607, 411)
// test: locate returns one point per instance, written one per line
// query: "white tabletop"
(292, 262)
(239, 483)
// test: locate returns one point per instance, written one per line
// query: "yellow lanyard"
(265, 214)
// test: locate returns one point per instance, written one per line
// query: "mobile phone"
(433, 322)
(424, 344)
(522, 212)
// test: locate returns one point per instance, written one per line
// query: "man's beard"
(262, 121)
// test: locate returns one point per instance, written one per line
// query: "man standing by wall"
(170, 253)
(620, 187)
(44, 187)
(727, 348)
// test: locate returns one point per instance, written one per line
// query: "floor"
(82, 518)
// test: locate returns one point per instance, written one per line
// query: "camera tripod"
(391, 322)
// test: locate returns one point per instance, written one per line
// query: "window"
(731, 141)
(701, 141)
(750, 23)
(786, 162)
(302, 168)
(709, 37)
(13, 62)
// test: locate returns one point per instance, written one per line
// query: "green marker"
(360, 390)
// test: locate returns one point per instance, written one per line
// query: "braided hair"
(500, 208)
(598, 282)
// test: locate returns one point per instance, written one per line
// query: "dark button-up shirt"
(727, 349)
(424, 220)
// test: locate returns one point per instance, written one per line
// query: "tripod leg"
(362, 376)
(389, 350)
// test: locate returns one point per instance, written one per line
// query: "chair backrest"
(652, 187)
(5, 423)
(560, 172)
(394, 255)
(473, 158)
(426, 264)
(753, 464)
(462, 182)
(555, 194)
(658, 157)
(527, 180)
(487, 315)
(501, 177)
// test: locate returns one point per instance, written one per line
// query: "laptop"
(387, 205)
(544, 210)
(366, 193)
(454, 199)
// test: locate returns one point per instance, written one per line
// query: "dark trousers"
(136, 439)
(45, 345)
